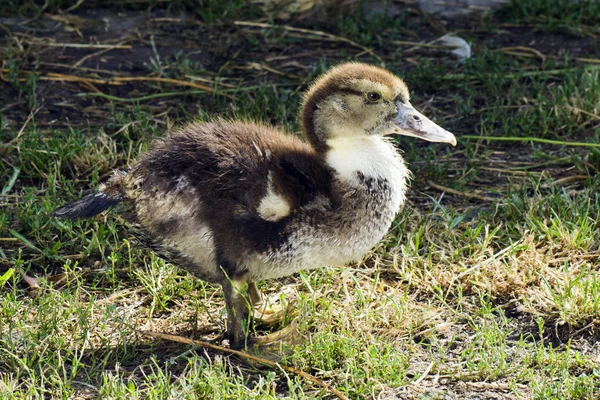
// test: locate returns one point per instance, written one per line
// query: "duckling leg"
(235, 291)
(254, 294)
(241, 298)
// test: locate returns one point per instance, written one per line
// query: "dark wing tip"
(87, 206)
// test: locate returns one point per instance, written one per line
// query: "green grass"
(498, 294)
(564, 15)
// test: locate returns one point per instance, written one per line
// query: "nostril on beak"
(416, 117)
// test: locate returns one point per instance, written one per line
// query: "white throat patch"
(372, 156)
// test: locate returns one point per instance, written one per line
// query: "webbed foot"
(268, 310)
(288, 336)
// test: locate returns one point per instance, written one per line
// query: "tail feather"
(87, 206)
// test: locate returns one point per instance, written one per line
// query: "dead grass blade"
(85, 46)
(459, 193)
(145, 98)
(589, 60)
(94, 70)
(89, 56)
(570, 179)
(171, 81)
(53, 76)
(420, 44)
(305, 375)
(164, 80)
(120, 80)
(530, 139)
(73, 7)
(322, 34)
(510, 171)
(424, 375)
(16, 138)
(523, 51)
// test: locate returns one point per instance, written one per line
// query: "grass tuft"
(488, 283)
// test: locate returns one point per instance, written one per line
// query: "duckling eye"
(373, 97)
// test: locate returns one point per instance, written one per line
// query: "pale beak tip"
(449, 138)
(453, 141)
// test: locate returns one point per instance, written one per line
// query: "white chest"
(371, 157)
(371, 179)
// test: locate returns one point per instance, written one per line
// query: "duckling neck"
(355, 159)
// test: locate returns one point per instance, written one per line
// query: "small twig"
(307, 376)
(311, 32)
(530, 139)
(459, 193)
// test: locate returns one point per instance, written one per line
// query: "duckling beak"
(410, 122)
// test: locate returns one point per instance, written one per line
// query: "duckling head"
(354, 101)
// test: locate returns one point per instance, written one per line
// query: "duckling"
(236, 202)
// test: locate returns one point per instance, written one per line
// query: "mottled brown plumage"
(235, 202)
